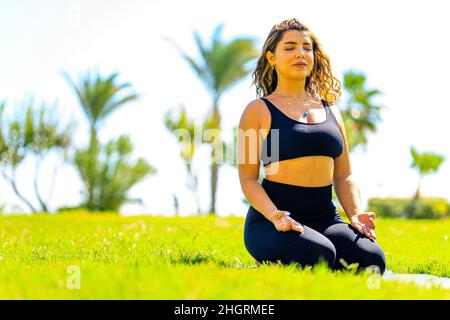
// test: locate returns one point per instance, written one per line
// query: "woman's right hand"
(283, 222)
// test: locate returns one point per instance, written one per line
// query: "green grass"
(195, 258)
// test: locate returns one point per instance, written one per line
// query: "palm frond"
(99, 96)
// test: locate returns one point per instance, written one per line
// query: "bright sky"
(402, 46)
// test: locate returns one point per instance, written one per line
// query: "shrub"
(423, 208)
(427, 208)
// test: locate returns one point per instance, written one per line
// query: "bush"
(388, 207)
(424, 208)
(72, 208)
(427, 208)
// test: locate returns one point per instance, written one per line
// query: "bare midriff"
(310, 171)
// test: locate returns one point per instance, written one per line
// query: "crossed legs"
(330, 242)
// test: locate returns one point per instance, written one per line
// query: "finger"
(358, 227)
(372, 215)
(367, 232)
(298, 226)
(283, 224)
(371, 233)
(374, 236)
(288, 223)
(372, 223)
(361, 229)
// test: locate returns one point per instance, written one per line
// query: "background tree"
(179, 124)
(219, 67)
(115, 174)
(99, 97)
(106, 170)
(359, 113)
(31, 133)
(425, 163)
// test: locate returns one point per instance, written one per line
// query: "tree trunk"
(214, 164)
(417, 194)
(192, 184)
(197, 199)
(12, 182)
(410, 209)
(93, 149)
(214, 171)
(176, 205)
(44, 207)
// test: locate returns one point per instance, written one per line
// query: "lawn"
(107, 256)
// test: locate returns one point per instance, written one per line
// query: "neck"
(291, 89)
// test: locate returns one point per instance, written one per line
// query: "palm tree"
(179, 123)
(360, 114)
(105, 170)
(219, 67)
(426, 163)
(99, 97)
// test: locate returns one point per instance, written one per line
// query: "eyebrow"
(294, 42)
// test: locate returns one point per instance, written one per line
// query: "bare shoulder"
(256, 106)
(256, 112)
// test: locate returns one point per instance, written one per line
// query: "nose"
(300, 53)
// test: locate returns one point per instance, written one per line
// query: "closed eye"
(307, 49)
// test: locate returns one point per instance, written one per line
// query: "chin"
(299, 76)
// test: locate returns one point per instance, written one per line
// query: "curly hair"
(320, 83)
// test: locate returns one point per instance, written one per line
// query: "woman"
(298, 134)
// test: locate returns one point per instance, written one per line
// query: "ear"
(270, 57)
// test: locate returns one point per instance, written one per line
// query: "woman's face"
(295, 46)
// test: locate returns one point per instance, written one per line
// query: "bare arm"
(249, 146)
(345, 186)
(347, 191)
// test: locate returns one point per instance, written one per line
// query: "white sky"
(402, 46)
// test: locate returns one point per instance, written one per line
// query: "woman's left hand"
(364, 223)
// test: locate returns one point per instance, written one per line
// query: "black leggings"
(327, 237)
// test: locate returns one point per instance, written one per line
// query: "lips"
(299, 64)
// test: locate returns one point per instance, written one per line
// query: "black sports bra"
(288, 138)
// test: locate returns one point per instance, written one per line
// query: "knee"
(319, 251)
(312, 254)
(327, 254)
(377, 259)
